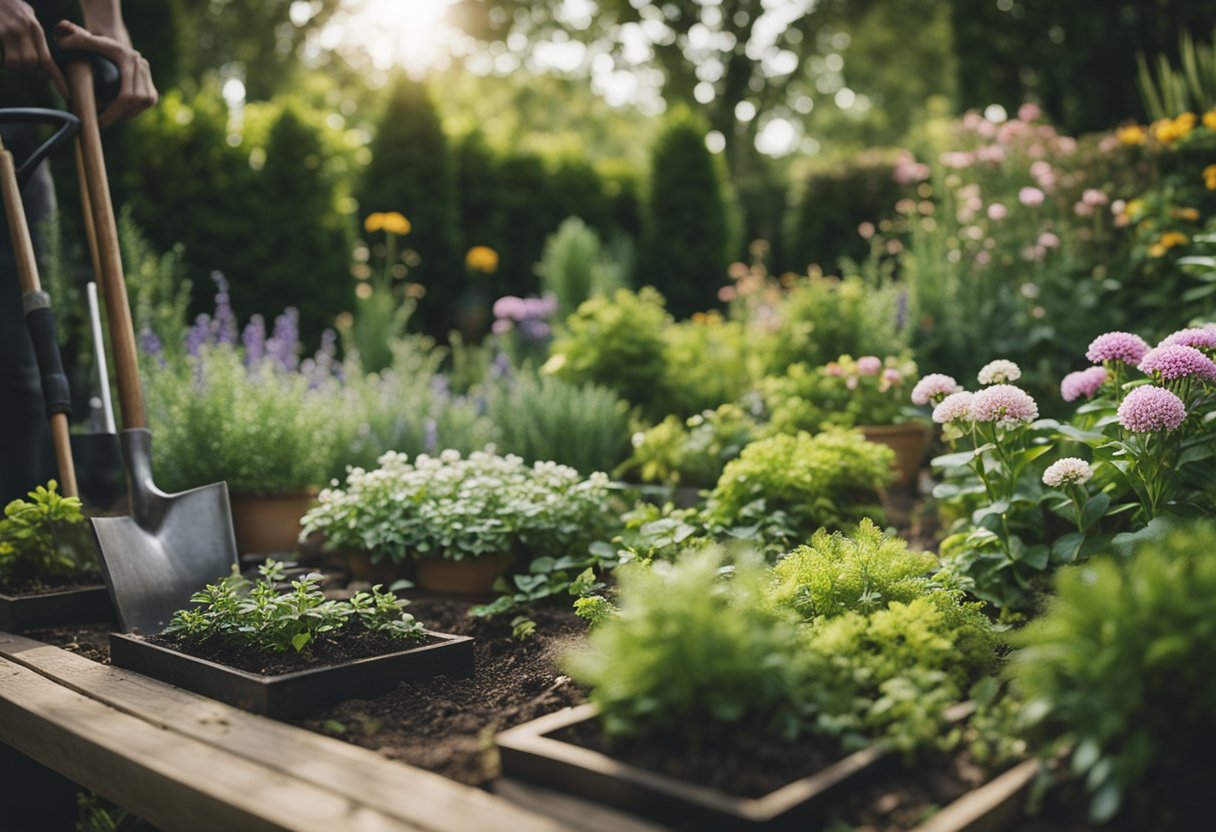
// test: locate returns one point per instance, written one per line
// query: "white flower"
(999, 372)
(1069, 470)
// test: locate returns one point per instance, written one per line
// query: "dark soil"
(37, 587)
(91, 641)
(341, 646)
(751, 766)
(447, 725)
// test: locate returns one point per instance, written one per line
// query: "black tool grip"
(41, 323)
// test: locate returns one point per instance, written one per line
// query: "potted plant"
(250, 413)
(49, 575)
(869, 393)
(284, 653)
(463, 519)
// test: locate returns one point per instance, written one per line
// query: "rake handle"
(108, 265)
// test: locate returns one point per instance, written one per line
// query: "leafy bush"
(847, 392)
(543, 418)
(691, 451)
(1119, 668)
(44, 540)
(791, 485)
(692, 656)
(457, 507)
(575, 266)
(708, 364)
(258, 616)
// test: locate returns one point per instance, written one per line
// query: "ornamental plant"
(462, 507)
(847, 392)
(692, 451)
(254, 614)
(44, 540)
(1117, 673)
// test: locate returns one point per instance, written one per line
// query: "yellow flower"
(1173, 238)
(1134, 209)
(374, 222)
(395, 223)
(1187, 214)
(482, 259)
(1209, 119)
(1157, 250)
(1209, 177)
(1186, 121)
(1132, 134)
(1168, 131)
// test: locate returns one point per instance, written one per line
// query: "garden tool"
(37, 304)
(172, 545)
(98, 455)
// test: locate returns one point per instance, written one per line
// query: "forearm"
(104, 17)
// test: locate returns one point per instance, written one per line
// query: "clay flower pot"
(268, 524)
(469, 576)
(908, 441)
(385, 572)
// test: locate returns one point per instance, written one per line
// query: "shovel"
(36, 303)
(172, 545)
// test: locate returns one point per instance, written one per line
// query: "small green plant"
(789, 486)
(1119, 668)
(255, 614)
(575, 266)
(44, 539)
(846, 392)
(691, 451)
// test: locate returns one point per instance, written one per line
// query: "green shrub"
(542, 418)
(575, 266)
(791, 485)
(44, 540)
(691, 451)
(838, 393)
(1120, 668)
(692, 656)
(708, 364)
(688, 241)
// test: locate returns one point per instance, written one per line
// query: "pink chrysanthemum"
(1178, 361)
(954, 408)
(1003, 403)
(1117, 346)
(934, 387)
(999, 372)
(1069, 470)
(1149, 409)
(1203, 338)
(1085, 383)
(869, 365)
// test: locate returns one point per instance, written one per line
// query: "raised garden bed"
(62, 606)
(283, 695)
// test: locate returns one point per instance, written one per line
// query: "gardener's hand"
(23, 45)
(137, 94)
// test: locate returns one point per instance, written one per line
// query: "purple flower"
(1069, 470)
(934, 387)
(509, 307)
(1203, 338)
(1085, 383)
(1003, 403)
(954, 408)
(225, 318)
(501, 326)
(198, 334)
(1177, 361)
(430, 439)
(869, 365)
(1148, 409)
(254, 340)
(151, 345)
(1117, 346)
(283, 345)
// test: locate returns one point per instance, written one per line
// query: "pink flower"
(727, 293)
(954, 408)
(997, 212)
(866, 230)
(1117, 346)
(1029, 112)
(1066, 471)
(1178, 361)
(1117, 207)
(1083, 209)
(1094, 196)
(1003, 403)
(1040, 169)
(833, 369)
(1149, 409)
(892, 376)
(869, 365)
(1085, 383)
(509, 306)
(1049, 240)
(1203, 338)
(933, 388)
(1031, 197)
(983, 258)
(998, 372)
(502, 326)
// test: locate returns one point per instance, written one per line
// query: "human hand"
(23, 45)
(137, 93)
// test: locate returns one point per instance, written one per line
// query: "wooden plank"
(580, 814)
(419, 797)
(992, 807)
(174, 782)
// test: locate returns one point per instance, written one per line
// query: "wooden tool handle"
(109, 260)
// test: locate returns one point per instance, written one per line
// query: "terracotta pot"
(268, 524)
(470, 576)
(385, 572)
(908, 442)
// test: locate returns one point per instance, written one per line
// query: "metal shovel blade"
(170, 547)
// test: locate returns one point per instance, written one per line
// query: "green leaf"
(1036, 557)
(1105, 803)
(300, 640)
(1094, 509)
(1065, 549)
(1088, 752)
(541, 565)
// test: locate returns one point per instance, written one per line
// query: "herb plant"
(692, 451)
(255, 614)
(44, 539)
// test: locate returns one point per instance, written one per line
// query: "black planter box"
(88, 605)
(293, 694)
(530, 755)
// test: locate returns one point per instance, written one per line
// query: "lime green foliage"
(616, 341)
(834, 574)
(255, 614)
(793, 485)
(1191, 85)
(44, 538)
(594, 609)
(691, 451)
(707, 363)
(258, 429)
(1120, 666)
(692, 656)
(575, 266)
(839, 394)
(546, 418)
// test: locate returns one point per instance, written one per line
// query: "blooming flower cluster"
(1067, 471)
(934, 388)
(527, 315)
(999, 372)
(1085, 383)
(1003, 403)
(1151, 409)
(1117, 346)
(1176, 361)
